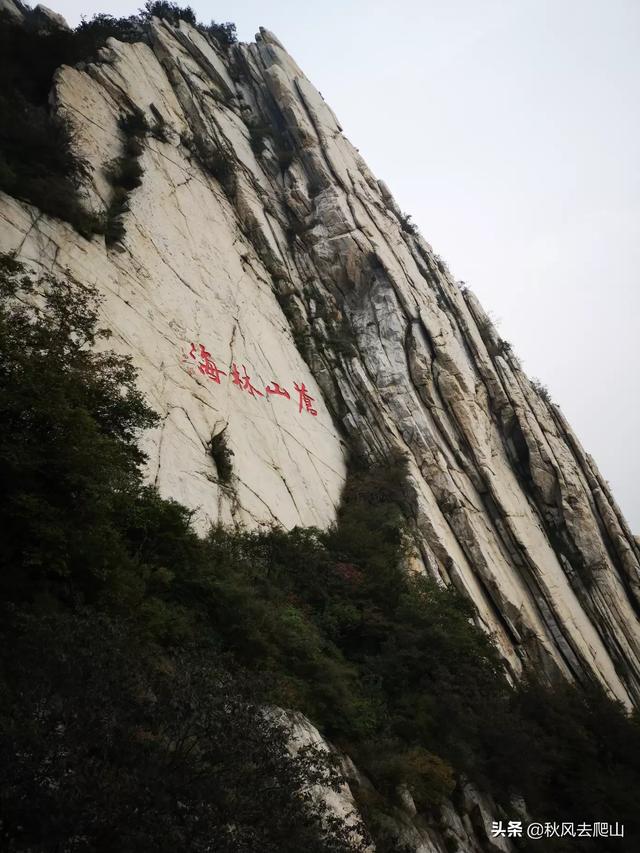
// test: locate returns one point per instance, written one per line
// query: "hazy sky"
(510, 130)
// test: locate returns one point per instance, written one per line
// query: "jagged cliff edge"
(296, 265)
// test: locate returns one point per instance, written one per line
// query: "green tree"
(118, 731)
(69, 463)
(106, 747)
(135, 656)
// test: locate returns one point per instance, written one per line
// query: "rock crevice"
(260, 237)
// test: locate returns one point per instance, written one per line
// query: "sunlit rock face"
(268, 287)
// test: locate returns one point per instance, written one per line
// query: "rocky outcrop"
(465, 826)
(41, 17)
(49, 19)
(13, 11)
(261, 245)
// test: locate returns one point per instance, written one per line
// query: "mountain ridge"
(249, 251)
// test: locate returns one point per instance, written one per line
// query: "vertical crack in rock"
(296, 234)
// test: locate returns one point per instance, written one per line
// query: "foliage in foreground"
(37, 159)
(108, 747)
(118, 730)
(129, 696)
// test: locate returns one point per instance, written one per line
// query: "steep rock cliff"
(260, 244)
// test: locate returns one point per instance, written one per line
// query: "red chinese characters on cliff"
(305, 399)
(206, 366)
(281, 392)
(244, 381)
(199, 356)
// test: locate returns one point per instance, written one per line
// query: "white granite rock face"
(186, 275)
(303, 271)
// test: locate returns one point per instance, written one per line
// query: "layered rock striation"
(270, 291)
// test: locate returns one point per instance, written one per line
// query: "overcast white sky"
(510, 130)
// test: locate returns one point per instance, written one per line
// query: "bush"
(220, 164)
(37, 164)
(114, 230)
(221, 454)
(114, 728)
(171, 12)
(407, 225)
(125, 173)
(427, 777)
(90, 35)
(258, 134)
(37, 161)
(125, 639)
(130, 751)
(29, 58)
(541, 390)
(68, 427)
(224, 34)
(134, 124)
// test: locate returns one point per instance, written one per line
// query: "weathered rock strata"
(260, 233)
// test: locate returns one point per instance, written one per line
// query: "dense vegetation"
(37, 159)
(136, 657)
(124, 173)
(123, 725)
